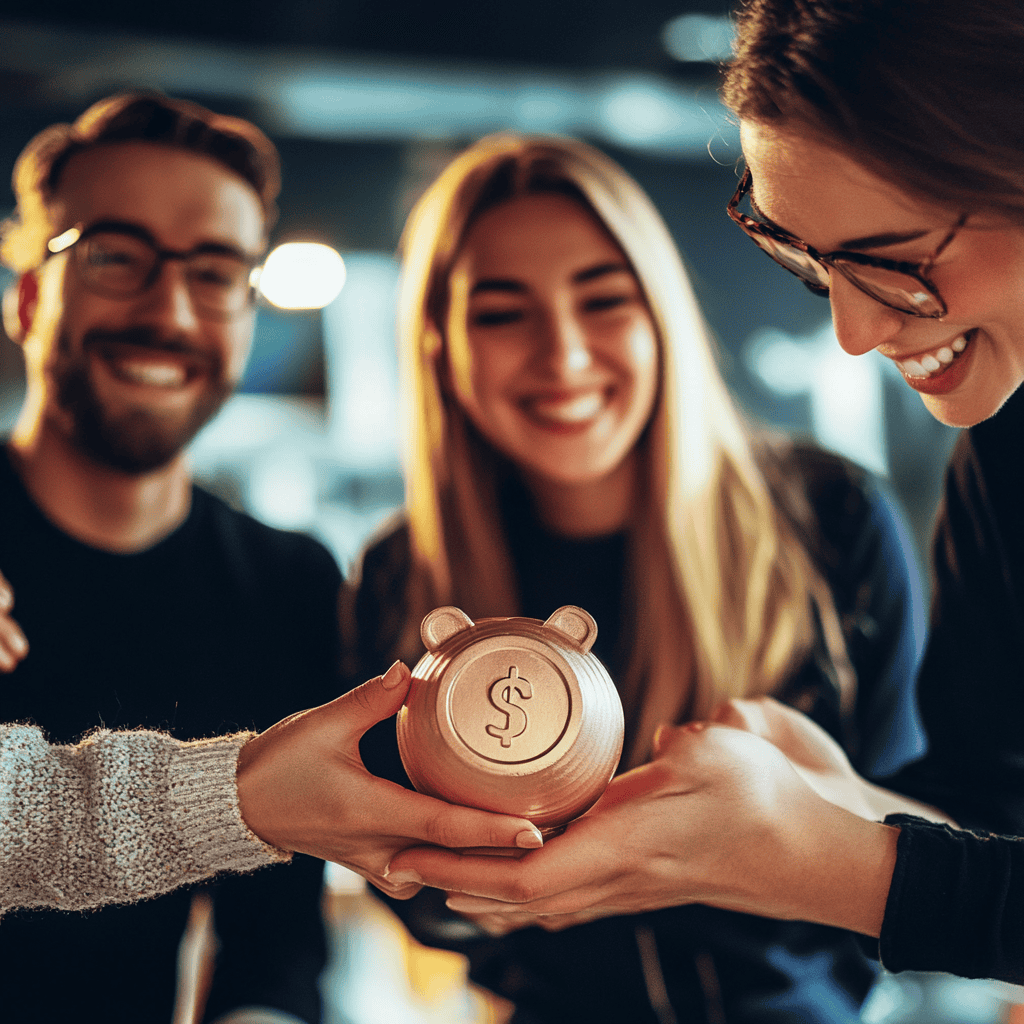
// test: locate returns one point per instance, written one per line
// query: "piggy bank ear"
(442, 624)
(576, 624)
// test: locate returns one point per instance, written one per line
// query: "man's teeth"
(933, 362)
(160, 375)
(574, 410)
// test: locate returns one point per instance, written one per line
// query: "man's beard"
(138, 440)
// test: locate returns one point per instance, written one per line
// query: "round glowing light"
(302, 275)
(699, 37)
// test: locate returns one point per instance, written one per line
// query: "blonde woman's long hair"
(726, 605)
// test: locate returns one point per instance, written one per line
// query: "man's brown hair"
(130, 117)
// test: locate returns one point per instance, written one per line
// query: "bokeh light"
(302, 275)
(699, 37)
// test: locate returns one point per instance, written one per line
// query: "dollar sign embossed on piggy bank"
(512, 715)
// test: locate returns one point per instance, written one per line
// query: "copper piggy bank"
(513, 715)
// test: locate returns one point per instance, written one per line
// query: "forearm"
(835, 870)
(117, 818)
(846, 879)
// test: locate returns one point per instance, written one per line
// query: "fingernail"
(403, 878)
(392, 677)
(6, 598)
(529, 839)
(19, 643)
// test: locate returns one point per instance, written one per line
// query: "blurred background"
(367, 102)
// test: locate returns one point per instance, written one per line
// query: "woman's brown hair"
(928, 93)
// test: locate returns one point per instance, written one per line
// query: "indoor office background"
(367, 102)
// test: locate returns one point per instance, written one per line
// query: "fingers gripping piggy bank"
(512, 715)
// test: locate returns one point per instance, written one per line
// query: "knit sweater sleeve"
(117, 818)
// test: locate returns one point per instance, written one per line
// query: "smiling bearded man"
(146, 601)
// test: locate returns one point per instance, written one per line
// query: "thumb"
(750, 715)
(375, 700)
(668, 737)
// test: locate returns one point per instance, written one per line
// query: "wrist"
(847, 884)
(248, 787)
(833, 868)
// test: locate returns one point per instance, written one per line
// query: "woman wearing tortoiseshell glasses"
(884, 146)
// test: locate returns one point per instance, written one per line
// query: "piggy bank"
(512, 715)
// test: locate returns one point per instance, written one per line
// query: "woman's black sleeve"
(957, 898)
(971, 683)
(956, 902)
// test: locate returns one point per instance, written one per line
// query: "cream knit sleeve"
(120, 817)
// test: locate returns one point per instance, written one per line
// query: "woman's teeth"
(568, 411)
(933, 363)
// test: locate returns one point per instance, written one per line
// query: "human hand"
(815, 755)
(302, 786)
(720, 817)
(13, 645)
(819, 759)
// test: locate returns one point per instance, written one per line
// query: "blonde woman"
(571, 441)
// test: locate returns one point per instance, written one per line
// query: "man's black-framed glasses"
(120, 260)
(895, 283)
